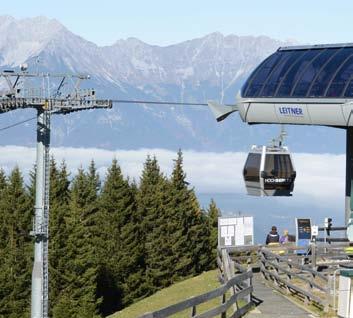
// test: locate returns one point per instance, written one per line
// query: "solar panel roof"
(317, 71)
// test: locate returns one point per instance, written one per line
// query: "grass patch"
(180, 291)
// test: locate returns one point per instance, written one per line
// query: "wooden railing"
(234, 294)
(295, 278)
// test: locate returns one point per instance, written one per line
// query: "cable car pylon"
(59, 94)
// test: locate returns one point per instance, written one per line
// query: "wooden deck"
(273, 304)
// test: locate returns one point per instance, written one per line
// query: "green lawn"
(173, 294)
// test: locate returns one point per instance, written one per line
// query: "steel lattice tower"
(58, 94)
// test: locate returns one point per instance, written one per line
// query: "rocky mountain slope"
(211, 67)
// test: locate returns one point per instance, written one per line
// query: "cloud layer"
(320, 177)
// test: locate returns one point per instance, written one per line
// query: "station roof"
(317, 71)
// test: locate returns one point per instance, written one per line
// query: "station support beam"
(39, 301)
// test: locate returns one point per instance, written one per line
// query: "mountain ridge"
(210, 67)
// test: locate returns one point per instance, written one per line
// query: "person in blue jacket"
(273, 236)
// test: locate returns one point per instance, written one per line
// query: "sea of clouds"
(320, 177)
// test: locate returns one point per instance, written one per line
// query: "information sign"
(303, 233)
(235, 231)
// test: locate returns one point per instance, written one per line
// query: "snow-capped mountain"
(211, 67)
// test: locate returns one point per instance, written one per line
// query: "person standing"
(273, 236)
(285, 237)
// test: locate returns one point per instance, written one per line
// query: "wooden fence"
(295, 278)
(234, 294)
(317, 255)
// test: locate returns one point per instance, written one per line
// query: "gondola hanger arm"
(220, 111)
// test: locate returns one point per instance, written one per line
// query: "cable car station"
(301, 85)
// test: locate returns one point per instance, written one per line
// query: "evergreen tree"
(152, 198)
(190, 233)
(4, 215)
(213, 214)
(58, 231)
(16, 249)
(79, 297)
(133, 254)
(199, 234)
(183, 212)
(117, 204)
(3, 211)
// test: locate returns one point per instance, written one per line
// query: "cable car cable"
(126, 101)
(123, 101)
(18, 123)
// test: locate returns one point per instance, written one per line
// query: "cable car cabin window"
(279, 174)
(252, 167)
(278, 166)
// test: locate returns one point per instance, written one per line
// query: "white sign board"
(314, 230)
(235, 231)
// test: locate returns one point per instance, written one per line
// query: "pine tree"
(213, 214)
(190, 233)
(3, 211)
(117, 204)
(199, 234)
(5, 289)
(160, 256)
(133, 254)
(152, 198)
(58, 231)
(16, 249)
(183, 211)
(79, 297)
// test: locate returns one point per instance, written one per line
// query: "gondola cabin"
(269, 171)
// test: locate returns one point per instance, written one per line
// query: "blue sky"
(165, 22)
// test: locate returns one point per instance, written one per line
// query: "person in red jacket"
(273, 236)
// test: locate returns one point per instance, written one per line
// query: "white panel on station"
(326, 114)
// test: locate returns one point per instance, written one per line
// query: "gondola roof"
(317, 71)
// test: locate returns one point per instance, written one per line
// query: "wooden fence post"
(313, 255)
(277, 262)
(263, 264)
(193, 312)
(248, 283)
(228, 274)
(289, 278)
(329, 293)
(224, 314)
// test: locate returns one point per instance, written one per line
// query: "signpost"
(303, 233)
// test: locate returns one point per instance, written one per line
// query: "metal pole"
(349, 174)
(313, 254)
(39, 301)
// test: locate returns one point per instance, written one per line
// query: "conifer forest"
(113, 241)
